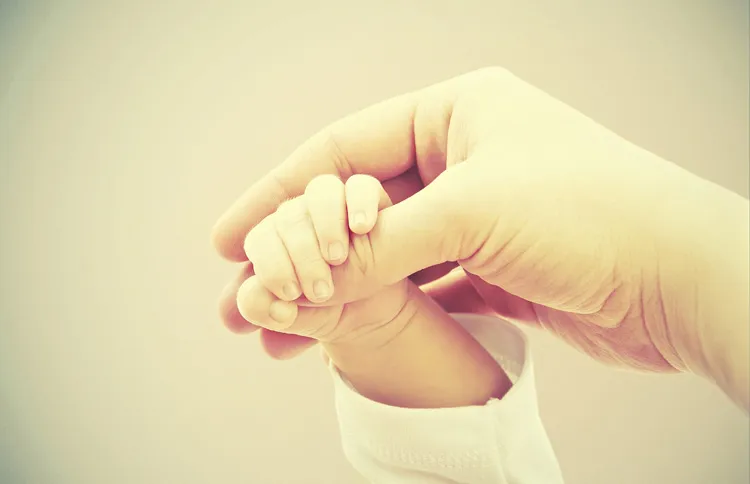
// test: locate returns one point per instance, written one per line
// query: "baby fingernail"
(322, 289)
(336, 251)
(283, 312)
(360, 220)
(291, 290)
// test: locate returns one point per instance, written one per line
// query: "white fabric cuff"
(501, 441)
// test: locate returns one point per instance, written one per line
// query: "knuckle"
(291, 212)
(493, 72)
(274, 282)
(291, 206)
(332, 149)
(325, 145)
(272, 276)
(312, 265)
(307, 258)
(252, 240)
(301, 244)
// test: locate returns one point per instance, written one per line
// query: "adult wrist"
(703, 284)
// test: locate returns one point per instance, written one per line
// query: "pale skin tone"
(397, 346)
(554, 220)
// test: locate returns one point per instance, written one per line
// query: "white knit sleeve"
(500, 442)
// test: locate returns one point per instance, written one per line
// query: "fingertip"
(364, 197)
(237, 324)
(227, 244)
(257, 304)
(253, 301)
(227, 304)
(326, 205)
(290, 291)
(336, 252)
(242, 297)
(230, 315)
(361, 222)
(283, 313)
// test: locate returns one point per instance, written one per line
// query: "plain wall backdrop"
(126, 128)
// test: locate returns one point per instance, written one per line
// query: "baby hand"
(297, 252)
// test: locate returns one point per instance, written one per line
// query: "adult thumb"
(423, 230)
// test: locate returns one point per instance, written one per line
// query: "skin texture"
(396, 346)
(552, 219)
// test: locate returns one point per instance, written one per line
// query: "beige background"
(126, 129)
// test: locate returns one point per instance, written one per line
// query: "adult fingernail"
(322, 290)
(336, 251)
(291, 291)
(283, 312)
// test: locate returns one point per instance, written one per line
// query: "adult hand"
(553, 219)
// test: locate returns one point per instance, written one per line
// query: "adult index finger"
(377, 141)
(383, 140)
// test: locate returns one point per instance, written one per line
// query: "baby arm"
(428, 412)
(427, 360)
(395, 346)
